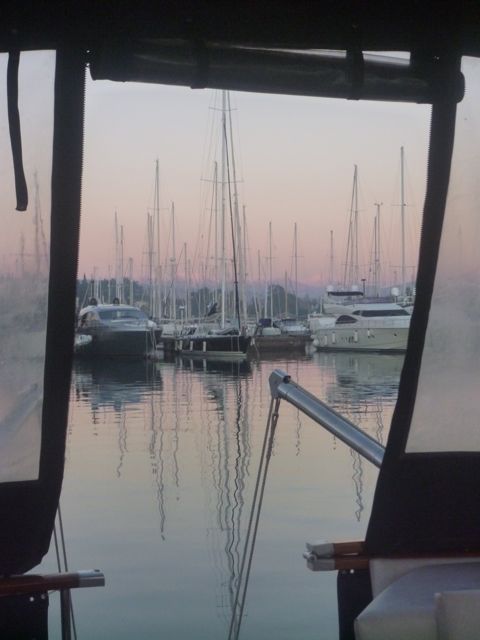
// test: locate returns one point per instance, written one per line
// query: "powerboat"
(114, 330)
(367, 327)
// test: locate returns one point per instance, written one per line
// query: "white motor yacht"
(367, 327)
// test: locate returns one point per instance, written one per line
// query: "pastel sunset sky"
(294, 156)
(295, 159)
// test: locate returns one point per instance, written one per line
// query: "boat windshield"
(375, 313)
(122, 314)
(345, 320)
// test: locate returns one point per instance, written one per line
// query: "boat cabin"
(110, 313)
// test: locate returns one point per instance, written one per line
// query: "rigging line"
(57, 550)
(64, 551)
(261, 469)
(62, 538)
(273, 425)
(212, 211)
(250, 521)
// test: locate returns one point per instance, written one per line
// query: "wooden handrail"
(33, 583)
(344, 556)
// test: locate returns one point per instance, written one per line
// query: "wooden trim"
(33, 583)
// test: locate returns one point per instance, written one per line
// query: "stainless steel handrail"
(282, 386)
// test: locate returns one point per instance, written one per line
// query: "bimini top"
(427, 494)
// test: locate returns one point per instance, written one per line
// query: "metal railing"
(282, 387)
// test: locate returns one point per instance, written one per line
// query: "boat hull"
(213, 346)
(280, 343)
(119, 343)
(391, 339)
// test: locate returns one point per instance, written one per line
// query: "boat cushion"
(407, 608)
(458, 614)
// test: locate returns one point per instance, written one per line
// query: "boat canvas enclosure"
(426, 499)
(40, 190)
(427, 494)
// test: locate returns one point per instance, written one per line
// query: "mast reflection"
(225, 468)
(363, 388)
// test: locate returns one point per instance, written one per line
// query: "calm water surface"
(160, 469)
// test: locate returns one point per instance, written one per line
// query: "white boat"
(292, 327)
(366, 327)
(114, 330)
(338, 301)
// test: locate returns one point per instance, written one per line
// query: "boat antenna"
(235, 278)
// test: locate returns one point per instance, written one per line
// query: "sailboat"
(351, 322)
(216, 336)
(280, 335)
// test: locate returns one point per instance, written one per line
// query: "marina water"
(160, 469)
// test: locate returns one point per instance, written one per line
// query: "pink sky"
(295, 159)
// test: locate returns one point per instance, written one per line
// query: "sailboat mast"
(189, 301)
(173, 310)
(215, 266)
(331, 256)
(232, 229)
(356, 270)
(95, 283)
(245, 306)
(117, 259)
(377, 266)
(265, 306)
(122, 283)
(222, 222)
(150, 244)
(130, 277)
(186, 279)
(258, 297)
(351, 260)
(402, 210)
(239, 238)
(271, 270)
(296, 269)
(157, 297)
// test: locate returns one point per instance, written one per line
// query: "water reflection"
(363, 376)
(225, 468)
(114, 384)
(202, 365)
(181, 440)
(360, 386)
(357, 478)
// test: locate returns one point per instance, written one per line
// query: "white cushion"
(458, 615)
(384, 571)
(406, 609)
